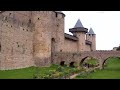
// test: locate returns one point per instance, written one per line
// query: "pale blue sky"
(105, 24)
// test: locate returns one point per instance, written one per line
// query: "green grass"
(18, 73)
(92, 61)
(31, 72)
(25, 73)
(111, 71)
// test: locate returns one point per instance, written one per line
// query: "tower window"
(9, 14)
(29, 21)
(60, 50)
(53, 39)
(0, 47)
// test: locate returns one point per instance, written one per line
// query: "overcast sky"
(105, 24)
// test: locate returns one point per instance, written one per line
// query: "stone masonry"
(37, 38)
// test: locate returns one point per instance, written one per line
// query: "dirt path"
(73, 76)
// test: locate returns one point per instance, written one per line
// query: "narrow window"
(56, 14)
(9, 14)
(0, 47)
(29, 21)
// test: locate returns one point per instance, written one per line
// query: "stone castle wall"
(16, 36)
(70, 46)
(30, 38)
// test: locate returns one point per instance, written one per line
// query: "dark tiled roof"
(78, 29)
(91, 31)
(71, 37)
(88, 42)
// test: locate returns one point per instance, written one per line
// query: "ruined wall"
(16, 36)
(70, 46)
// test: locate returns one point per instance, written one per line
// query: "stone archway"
(72, 64)
(89, 61)
(104, 63)
(81, 62)
(62, 63)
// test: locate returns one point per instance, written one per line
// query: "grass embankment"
(111, 71)
(54, 71)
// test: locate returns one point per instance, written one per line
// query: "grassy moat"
(111, 71)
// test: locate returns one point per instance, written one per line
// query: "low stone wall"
(67, 57)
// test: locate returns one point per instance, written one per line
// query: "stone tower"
(58, 33)
(91, 36)
(48, 35)
(80, 32)
(43, 21)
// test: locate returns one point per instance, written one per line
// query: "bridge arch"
(62, 63)
(82, 60)
(72, 64)
(88, 64)
(107, 59)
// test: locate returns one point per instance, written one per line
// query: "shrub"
(60, 69)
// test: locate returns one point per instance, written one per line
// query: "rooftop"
(71, 37)
(91, 31)
(78, 27)
(78, 24)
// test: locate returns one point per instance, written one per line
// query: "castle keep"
(30, 38)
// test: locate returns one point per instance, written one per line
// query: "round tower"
(80, 32)
(58, 34)
(91, 36)
(42, 37)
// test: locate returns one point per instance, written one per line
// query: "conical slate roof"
(78, 24)
(91, 31)
(78, 27)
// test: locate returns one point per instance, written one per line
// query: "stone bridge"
(70, 58)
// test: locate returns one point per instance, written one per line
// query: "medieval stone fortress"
(37, 38)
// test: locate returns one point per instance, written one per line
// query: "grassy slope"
(18, 73)
(112, 71)
(27, 73)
